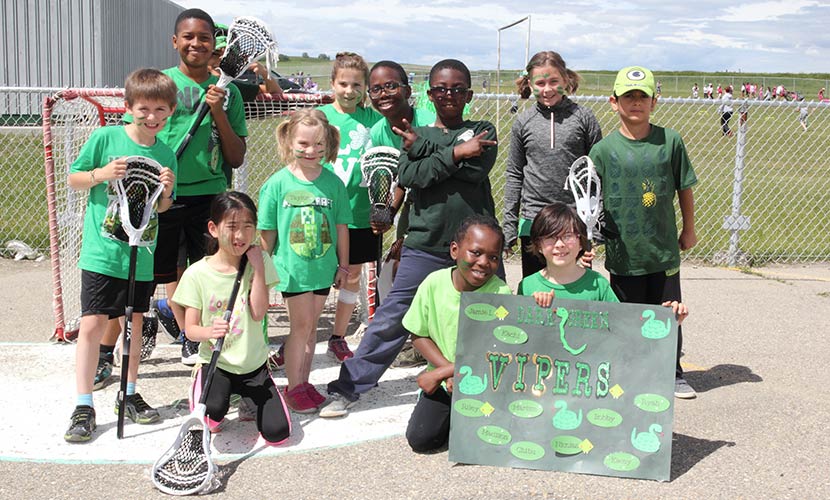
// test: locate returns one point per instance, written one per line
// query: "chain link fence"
(763, 194)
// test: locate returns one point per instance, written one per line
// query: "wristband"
(344, 269)
(92, 176)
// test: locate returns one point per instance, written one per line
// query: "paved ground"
(755, 345)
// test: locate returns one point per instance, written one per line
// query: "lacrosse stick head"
(381, 185)
(186, 468)
(586, 187)
(378, 156)
(248, 41)
(137, 193)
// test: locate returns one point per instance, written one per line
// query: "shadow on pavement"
(721, 375)
(687, 451)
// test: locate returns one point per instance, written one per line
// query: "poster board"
(581, 386)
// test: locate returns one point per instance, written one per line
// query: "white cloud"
(764, 11)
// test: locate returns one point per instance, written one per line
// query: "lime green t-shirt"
(202, 160)
(305, 216)
(354, 137)
(591, 286)
(101, 251)
(639, 182)
(381, 133)
(206, 289)
(434, 310)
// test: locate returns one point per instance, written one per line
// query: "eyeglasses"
(391, 88)
(451, 91)
(566, 238)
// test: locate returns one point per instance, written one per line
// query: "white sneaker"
(683, 390)
(337, 406)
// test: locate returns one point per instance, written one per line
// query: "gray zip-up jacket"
(544, 142)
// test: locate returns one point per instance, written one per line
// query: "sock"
(130, 388)
(84, 400)
(106, 351)
(336, 337)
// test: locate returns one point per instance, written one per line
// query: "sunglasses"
(391, 88)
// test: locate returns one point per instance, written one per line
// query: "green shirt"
(382, 135)
(443, 192)
(206, 289)
(202, 160)
(434, 310)
(305, 216)
(354, 138)
(639, 181)
(101, 251)
(591, 286)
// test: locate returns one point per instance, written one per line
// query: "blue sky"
(703, 35)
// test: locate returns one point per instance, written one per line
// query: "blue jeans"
(385, 337)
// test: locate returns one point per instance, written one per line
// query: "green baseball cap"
(221, 42)
(634, 78)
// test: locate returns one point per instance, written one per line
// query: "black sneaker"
(104, 370)
(81, 425)
(138, 410)
(167, 320)
(190, 352)
(149, 331)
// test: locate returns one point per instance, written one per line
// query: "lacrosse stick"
(137, 195)
(249, 40)
(585, 185)
(186, 468)
(379, 166)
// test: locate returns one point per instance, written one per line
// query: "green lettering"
(583, 374)
(603, 320)
(603, 375)
(521, 359)
(497, 363)
(562, 369)
(544, 370)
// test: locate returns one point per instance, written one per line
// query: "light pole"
(498, 58)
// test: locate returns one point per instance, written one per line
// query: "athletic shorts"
(186, 219)
(363, 246)
(102, 294)
(323, 292)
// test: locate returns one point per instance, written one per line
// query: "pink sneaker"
(298, 400)
(339, 349)
(315, 396)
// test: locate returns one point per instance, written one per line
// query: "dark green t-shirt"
(639, 182)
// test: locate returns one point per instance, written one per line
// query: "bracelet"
(344, 269)
(92, 176)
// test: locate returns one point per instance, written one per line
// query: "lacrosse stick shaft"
(378, 263)
(200, 115)
(126, 342)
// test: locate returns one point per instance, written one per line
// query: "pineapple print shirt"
(639, 182)
(305, 215)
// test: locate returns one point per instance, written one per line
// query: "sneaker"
(339, 349)
(315, 395)
(166, 318)
(148, 336)
(338, 406)
(409, 357)
(276, 359)
(138, 410)
(683, 390)
(190, 352)
(81, 425)
(246, 412)
(298, 400)
(104, 370)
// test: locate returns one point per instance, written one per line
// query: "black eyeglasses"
(391, 88)
(452, 91)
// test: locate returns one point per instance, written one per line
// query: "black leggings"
(429, 425)
(258, 390)
(724, 122)
(654, 288)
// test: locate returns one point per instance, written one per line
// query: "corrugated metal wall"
(81, 43)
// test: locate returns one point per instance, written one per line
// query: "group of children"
(313, 219)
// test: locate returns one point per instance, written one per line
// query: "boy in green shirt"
(642, 166)
(150, 97)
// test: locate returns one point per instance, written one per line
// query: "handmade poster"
(580, 386)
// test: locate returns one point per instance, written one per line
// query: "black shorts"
(102, 294)
(363, 245)
(187, 220)
(323, 292)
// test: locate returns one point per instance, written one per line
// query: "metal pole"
(527, 42)
(498, 77)
(735, 222)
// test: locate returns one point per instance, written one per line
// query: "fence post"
(735, 222)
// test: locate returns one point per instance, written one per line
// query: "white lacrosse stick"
(137, 193)
(586, 187)
(249, 40)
